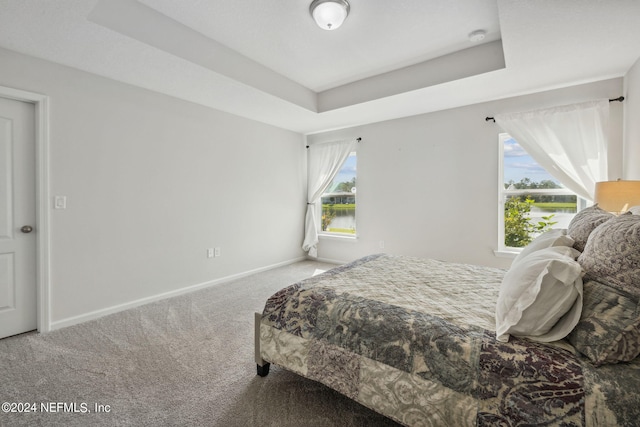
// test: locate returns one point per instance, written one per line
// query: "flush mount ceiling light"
(329, 14)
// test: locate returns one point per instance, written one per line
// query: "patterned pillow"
(612, 253)
(584, 223)
(609, 328)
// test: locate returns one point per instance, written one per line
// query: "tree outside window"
(532, 201)
(339, 201)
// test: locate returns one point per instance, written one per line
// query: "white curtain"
(570, 142)
(324, 163)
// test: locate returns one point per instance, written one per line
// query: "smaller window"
(531, 201)
(339, 201)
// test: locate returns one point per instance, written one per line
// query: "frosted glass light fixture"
(329, 14)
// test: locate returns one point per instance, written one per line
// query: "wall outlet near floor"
(60, 202)
(210, 253)
(381, 244)
(216, 252)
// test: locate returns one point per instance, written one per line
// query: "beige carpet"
(185, 361)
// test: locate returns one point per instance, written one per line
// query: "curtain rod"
(619, 99)
(358, 139)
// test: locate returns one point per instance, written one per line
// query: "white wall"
(151, 182)
(427, 185)
(632, 123)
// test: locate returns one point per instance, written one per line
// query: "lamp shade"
(617, 196)
(329, 14)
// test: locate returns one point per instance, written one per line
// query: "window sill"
(338, 237)
(506, 253)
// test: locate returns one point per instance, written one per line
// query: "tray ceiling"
(268, 61)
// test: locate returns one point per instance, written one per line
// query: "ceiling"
(267, 60)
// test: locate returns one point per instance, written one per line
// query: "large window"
(531, 200)
(339, 201)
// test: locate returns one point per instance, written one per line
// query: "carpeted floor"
(184, 361)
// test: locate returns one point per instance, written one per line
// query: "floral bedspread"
(414, 340)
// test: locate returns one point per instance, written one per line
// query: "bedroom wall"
(152, 182)
(427, 185)
(632, 123)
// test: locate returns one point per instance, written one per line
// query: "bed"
(419, 340)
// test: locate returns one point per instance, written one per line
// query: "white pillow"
(551, 238)
(541, 296)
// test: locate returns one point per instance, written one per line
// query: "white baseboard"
(132, 304)
(328, 261)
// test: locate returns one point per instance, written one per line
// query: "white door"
(17, 218)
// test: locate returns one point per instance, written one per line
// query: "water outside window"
(534, 201)
(339, 201)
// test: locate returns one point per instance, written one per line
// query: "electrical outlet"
(60, 202)
(210, 253)
(216, 252)
(381, 244)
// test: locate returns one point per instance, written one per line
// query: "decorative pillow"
(609, 329)
(585, 222)
(612, 253)
(541, 296)
(556, 237)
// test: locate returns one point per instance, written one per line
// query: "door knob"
(26, 229)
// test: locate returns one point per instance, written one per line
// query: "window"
(339, 201)
(531, 200)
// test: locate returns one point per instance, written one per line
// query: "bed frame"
(262, 366)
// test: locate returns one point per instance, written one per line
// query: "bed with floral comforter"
(415, 340)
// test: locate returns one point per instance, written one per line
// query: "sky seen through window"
(518, 164)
